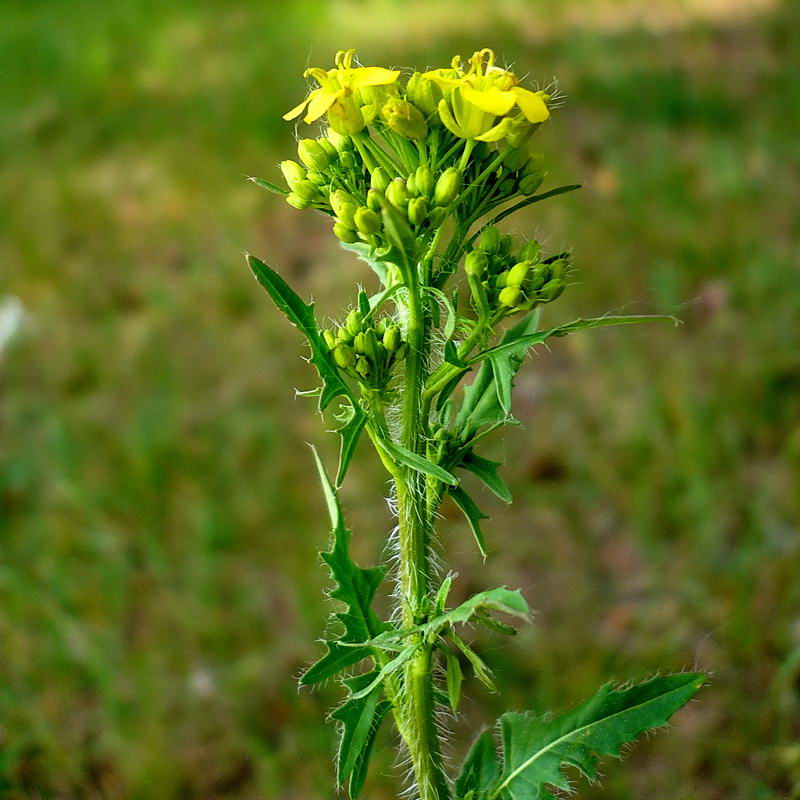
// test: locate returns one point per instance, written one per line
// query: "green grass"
(157, 501)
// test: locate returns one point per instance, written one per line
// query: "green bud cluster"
(513, 281)
(366, 350)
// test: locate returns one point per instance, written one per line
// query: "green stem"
(414, 536)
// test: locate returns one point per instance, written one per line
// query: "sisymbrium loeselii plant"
(416, 173)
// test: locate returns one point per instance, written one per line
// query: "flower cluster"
(366, 350)
(446, 144)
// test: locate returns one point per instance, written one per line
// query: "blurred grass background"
(159, 520)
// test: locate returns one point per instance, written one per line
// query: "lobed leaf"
(486, 471)
(536, 747)
(355, 587)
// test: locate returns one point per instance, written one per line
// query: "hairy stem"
(414, 522)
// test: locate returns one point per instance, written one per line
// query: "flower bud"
(344, 207)
(404, 119)
(317, 178)
(367, 221)
(475, 263)
(518, 273)
(328, 146)
(423, 181)
(516, 158)
(541, 274)
(338, 140)
(447, 187)
(343, 356)
(424, 93)
(296, 201)
(391, 338)
(292, 172)
(347, 160)
(505, 244)
(306, 191)
(353, 322)
(530, 183)
(519, 131)
(501, 280)
(359, 343)
(379, 179)
(329, 338)
(436, 217)
(551, 290)
(530, 251)
(411, 184)
(362, 367)
(558, 269)
(375, 199)
(345, 234)
(370, 345)
(490, 240)
(417, 210)
(397, 194)
(313, 154)
(510, 296)
(344, 336)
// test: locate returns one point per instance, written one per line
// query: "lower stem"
(414, 536)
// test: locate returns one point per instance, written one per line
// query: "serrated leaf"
(500, 599)
(486, 471)
(442, 595)
(269, 186)
(356, 716)
(473, 514)
(536, 747)
(480, 769)
(402, 455)
(350, 433)
(355, 587)
(455, 678)
(495, 625)
(301, 315)
(359, 774)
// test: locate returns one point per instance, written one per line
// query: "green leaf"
(301, 315)
(536, 198)
(486, 471)
(402, 455)
(480, 769)
(355, 587)
(455, 678)
(501, 599)
(356, 716)
(359, 774)
(388, 669)
(350, 433)
(481, 405)
(535, 747)
(482, 672)
(373, 258)
(473, 514)
(506, 358)
(269, 186)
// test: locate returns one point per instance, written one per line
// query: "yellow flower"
(335, 95)
(476, 98)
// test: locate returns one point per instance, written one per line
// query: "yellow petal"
(446, 81)
(298, 109)
(372, 76)
(449, 121)
(498, 132)
(320, 100)
(492, 101)
(531, 105)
